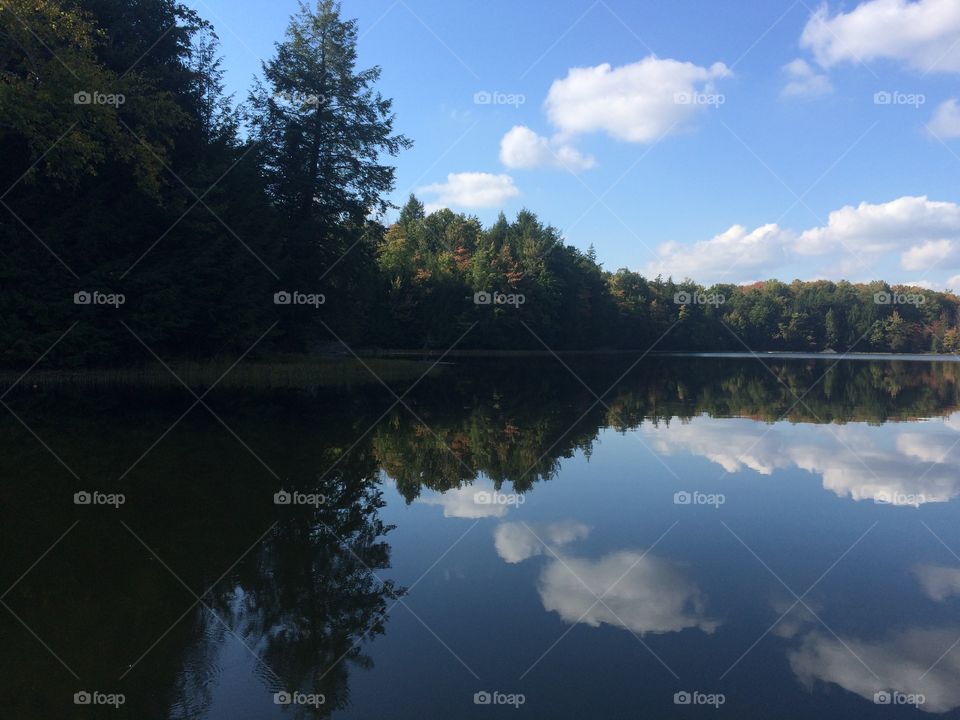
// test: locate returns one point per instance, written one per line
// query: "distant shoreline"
(783, 354)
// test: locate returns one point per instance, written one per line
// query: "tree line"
(161, 215)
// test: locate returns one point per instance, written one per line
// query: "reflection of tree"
(311, 597)
(304, 599)
(301, 598)
(513, 420)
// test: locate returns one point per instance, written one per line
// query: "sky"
(730, 141)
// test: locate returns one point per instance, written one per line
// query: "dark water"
(777, 541)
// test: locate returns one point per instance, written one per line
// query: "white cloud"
(945, 122)
(516, 542)
(920, 34)
(907, 224)
(939, 582)
(638, 102)
(462, 502)
(470, 190)
(912, 661)
(522, 148)
(804, 81)
(861, 242)
(641, 593)
(727, 257)
(929, 254)
(902, 467)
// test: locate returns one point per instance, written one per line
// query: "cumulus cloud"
(939, 582)
(920, 34)
(641, 593)
(898, 467)
(470, 190)
(946, 120)
(638, 102)
(929, 254)
(912, 232)
(728, 257)
(516, 542)
(804, 81)
(924, 230)
(522, 148)
(906, 662)
(462, 502)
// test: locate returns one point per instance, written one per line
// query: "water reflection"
(897, 466)
(904, 662)
(630, 589)
(306, 607)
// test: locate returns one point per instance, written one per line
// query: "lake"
(543, 538)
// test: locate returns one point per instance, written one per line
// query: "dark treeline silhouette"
(128, 171)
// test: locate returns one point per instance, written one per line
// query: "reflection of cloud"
(461, 503)
(640, 592)
(939, 582)
(515, 542)
(644, 594)
(902, 662)
(794, 616)
(905, 467)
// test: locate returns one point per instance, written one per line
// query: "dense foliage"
(127, 171)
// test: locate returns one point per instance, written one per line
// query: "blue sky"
(730, 141)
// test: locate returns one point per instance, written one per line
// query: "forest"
(145, 211)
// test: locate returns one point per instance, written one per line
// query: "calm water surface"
(775, 539)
